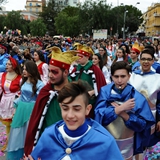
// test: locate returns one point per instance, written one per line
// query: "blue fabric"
(155, 65)
(15, 155)
(3, 60)
(78, 132)
(141, 118)
(97, 143)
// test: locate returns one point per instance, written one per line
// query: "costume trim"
(93, 79)
(52, 94)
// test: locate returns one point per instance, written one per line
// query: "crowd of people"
(63, 97)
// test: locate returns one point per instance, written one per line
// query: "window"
(30, 4)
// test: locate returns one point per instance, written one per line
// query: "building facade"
(151, 23)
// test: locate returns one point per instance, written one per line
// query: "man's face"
(74, 113)
(56, 75)
(146, 62)
(120, 78)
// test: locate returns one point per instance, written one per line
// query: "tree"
(3, 1)
(37, 27)
(50, 11)
(67, 22)
(14, 20)
(132, 18)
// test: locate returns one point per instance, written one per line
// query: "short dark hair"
(120, 65)
(73, 90)
(147, 51)
(150, 48)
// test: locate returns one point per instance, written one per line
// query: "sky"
(144, 4)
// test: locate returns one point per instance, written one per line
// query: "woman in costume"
(97, 60)
(9, 89)
(30, 87)
(42, 66)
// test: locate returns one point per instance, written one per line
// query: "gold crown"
(85, 50)
(62, 59)
(136, 47)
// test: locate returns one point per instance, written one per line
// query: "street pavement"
(2, 130)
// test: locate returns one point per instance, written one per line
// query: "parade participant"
(148, 84)
(30, 87)
(97, 61)
(9, 89)
(120, 55)
(134, 53)
(124, 112)
(15, 55)
(75, 136)
(3, 58)
(46, 110)
(106, 59)
(42, 66)
(85, 70)
(155, 66)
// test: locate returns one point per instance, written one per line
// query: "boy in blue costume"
(76, 138)
(124, 112)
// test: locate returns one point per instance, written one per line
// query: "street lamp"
(137, 3)
(124, 24)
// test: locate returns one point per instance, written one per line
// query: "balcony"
(156, 14)
(156, 25)
(32, 6)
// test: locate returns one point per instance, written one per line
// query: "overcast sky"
(144, 4)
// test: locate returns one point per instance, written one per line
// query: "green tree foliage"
(67, 22)
(37, 27)
(14, 20)
(132, 18)
(2, 18)
(50, 11)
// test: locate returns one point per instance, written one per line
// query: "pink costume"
(8, 90)
(43, 71)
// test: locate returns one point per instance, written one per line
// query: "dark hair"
(73, 90)
(127, 48)
(100, 60)
(105, 55)
(124, 55)
(150, 48)
(120, 65)
(147, 51)
(41, 55)
(32, 70)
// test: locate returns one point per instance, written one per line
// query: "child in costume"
(76, 138)
(124, 112)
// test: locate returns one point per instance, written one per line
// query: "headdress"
(85, 50)
(136, 47)
(13, 61)
(62, 59)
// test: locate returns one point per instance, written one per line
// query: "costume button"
(68, 150)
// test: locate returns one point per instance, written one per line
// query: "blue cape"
(97, 143)
(141, 118)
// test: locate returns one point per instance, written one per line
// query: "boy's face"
(120, 78)
(74, 113)
(146, 62)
